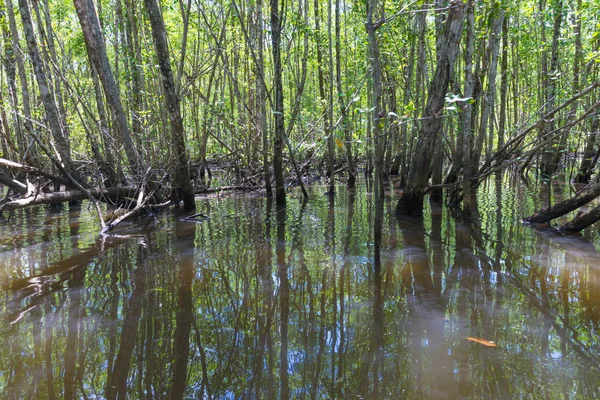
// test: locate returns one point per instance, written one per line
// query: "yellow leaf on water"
(482, 341)
(339, 143)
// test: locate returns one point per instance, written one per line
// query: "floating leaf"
(484, 342)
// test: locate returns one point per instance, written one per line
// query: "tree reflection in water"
(332, 298)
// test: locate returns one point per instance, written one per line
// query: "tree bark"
(489, 95)
(13, 184)
(70, 195)
(276, 17)
(52, 114)
(25, 147)
(503, 85)
(412, 198)
(467, 121)
(96, 48)
(582, 221)
(159, 35)
(262, 97)
(322, 95)
(378, 115)
(566, 206)
(342, 99)
(329, 108)
(548, 167)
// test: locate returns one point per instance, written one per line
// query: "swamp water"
(307, 302)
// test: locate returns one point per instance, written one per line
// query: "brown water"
(309, 302)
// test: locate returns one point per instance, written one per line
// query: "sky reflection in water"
(307, 302)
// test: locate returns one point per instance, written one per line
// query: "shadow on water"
(333, 298)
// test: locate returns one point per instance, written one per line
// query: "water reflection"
(333, 298)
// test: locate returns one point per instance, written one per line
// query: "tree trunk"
(26, 149)
(548, 167)
(378, 115)
(9, 62)
(322, 96)
(97, 53)
(109, 163)
(490, 93)
(262, 97)
(399, 164)
(467, 121)
(331, 135)
(412, 198)
(560, 151)
(136, 71)
(52, 114)
(343, 100)
(49, 39)
(503, 85)
(159, 35)
(276, 16)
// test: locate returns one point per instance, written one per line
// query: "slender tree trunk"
(7, 146)
(467, 121)
(437, 164)
(343, 100)
(109, 161)
(136, 72)
(52, 115)
(9, 62)
(548, 166)
(584, 173)
(490, 93)
(97, 53)
(185, 14)
(26, 146)
(276, 17)
(49, 38)
(399, 165)
(262, 98)
(159, 35)
(503, 85)
(322, 95)
(331, 135)
(378, 115)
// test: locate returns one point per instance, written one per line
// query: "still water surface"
(313, 301)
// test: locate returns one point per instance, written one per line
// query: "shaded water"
(313, 301)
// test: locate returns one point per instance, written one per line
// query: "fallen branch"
(14, 184)
(222, 189)
(69, 195)
(583, 197)
(581, 221)
(32, 170)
